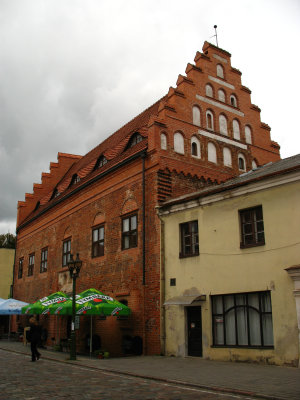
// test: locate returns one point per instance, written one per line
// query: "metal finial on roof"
(216, 35)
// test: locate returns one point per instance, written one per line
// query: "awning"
(184, 300)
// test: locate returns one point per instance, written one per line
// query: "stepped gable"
(112, 148)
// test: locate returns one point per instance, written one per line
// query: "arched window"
(195, 147)
(221, 95)
(196, 116)
(178, 143)
(55, 194)
(75, 179)
(242, 162)
(100, 162)
(209, 120)
(233, 100)
(135, 139)
(209, 90)
(223, 124)
(163, 141)
(236, 129)
(248, 134)
(227, 157)
(211, 153)
(220, 71)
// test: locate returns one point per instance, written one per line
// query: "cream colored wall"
(6, 271)
(222, 267)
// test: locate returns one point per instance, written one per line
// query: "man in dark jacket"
(35, 338)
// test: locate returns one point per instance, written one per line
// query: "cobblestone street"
(45, 379)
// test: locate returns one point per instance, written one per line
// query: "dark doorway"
(194, 331)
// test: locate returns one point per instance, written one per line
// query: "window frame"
(132, 234)
(31, 260)
(255, 232)
(241, 321)
(66, 254)
(191, 236)
(44, 260)
(99, 243)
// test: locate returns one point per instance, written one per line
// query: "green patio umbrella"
(45, 305)
(91, 302)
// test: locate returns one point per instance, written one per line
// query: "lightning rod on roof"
(216, 35)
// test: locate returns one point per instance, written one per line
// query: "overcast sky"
(74, 71)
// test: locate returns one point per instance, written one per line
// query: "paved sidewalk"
(263, 381)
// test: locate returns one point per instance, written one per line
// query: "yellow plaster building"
(230, 278)
(6, 271)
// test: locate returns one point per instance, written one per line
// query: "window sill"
(188, 255)
(242, 347)
(247, 246)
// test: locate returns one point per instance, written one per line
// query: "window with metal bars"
(252, 227)
(242, 320)
(189, 243)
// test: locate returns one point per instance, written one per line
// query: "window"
(242, 320)
(196, 116)
(98, 241)
(242, 162)
(31, 264)
(209, 120)
(100, 162)
(236, 129)
(189, 239)
(55, 194)
(248, 135)
(221, 95)
(75, 179)
(212, 153)
(20, 269)
(220, 71)
(178, 143)
(227, 157)
(252, 227)
(135, 139)
(209, 90)
(223, 124)
(233, 100)
(123, 317)
(129, 232)
(163, 141)
(44, 260)
(66, 252)
(195, 147)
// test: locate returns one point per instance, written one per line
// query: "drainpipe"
(162, 286)
(13, 280)
(143, 156)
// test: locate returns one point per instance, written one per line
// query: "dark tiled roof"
(268, 170)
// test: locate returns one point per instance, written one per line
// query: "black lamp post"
(74, 268)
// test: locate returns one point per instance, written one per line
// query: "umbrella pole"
(9, 327)
(91, 336)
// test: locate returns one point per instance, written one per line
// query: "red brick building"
(102, 205)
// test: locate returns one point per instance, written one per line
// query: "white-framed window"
(178, 143)
(196, 116)
(163, 141)
(209, 120)
(195, 147)
(233, 100)
(242, 162)
(209, 90)
(227, 159)
(223, 124)
(248, 134)
(221, 95)
(212, 153)
(220, 71)
(236, 129)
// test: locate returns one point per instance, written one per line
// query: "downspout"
(13, 280)
(162, 286)
(143, 156)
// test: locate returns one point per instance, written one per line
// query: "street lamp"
(74, 268)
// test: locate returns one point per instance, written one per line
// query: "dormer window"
(100, 162)
(55, 194)
(135, 139)
(75, 179)
(233, 100)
